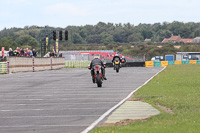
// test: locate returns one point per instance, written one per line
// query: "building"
(147, 40)
(186, 40)
(178, 39)
(196, 40)
(187, 56)
(174, 39)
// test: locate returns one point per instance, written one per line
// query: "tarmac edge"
(117, 105)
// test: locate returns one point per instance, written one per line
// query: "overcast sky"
(62, 13)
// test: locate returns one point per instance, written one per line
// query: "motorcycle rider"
(123, 59)
(116, 57)
(97, 61)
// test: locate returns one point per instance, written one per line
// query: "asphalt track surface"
(62, 101)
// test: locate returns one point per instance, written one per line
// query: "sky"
(63, 13)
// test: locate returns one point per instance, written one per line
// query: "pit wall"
(27, 64)
(77, 64)
(166, 63)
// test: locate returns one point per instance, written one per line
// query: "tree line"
(108, 35)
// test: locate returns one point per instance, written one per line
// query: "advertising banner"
(164, 63)
(149, 64)
(193, 62)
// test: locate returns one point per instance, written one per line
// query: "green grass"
(177, 88)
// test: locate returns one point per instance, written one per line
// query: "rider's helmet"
(122, 56)
(116, 55)
(96, 57)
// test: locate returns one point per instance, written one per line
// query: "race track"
(62, 101)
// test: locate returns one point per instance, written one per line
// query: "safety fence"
(3, 67)
(166, 63)
(77, 64)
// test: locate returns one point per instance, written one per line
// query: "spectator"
(15, 53)
(60, 55)
(47, 55)
(30, 53)
(18, 51)
(52, 54)
(34, 53)
(21, 52)
(11, 53)
(56, 54)
(26, 53)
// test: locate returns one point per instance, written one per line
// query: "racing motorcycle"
(98, 76)
(117, 65)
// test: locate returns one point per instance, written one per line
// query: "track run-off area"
(65, 100)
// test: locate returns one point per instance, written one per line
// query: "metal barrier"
(3, 67)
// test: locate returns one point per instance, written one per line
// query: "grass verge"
(177, 88)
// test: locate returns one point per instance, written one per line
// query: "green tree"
(135, 37)
(8, 42)
(106, 38)
(77, 39)
(28, 40)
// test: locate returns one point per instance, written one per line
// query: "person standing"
(34, 53)
(11, 53)
(21, 52)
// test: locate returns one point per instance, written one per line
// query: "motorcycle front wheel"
(117, 68)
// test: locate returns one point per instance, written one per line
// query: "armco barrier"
(166, 63)
(128, 64)
(3, 67)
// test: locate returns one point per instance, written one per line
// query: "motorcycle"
(98, 76)
(116, 65)
(123, 63)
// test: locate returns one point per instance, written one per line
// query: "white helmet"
(96, 57)
(122, 56)
(116, 55)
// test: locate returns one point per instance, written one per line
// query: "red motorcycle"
(98, 76)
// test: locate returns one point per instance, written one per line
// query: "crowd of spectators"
(52, 54)
(21, 52)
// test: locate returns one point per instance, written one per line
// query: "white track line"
(116, 106)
